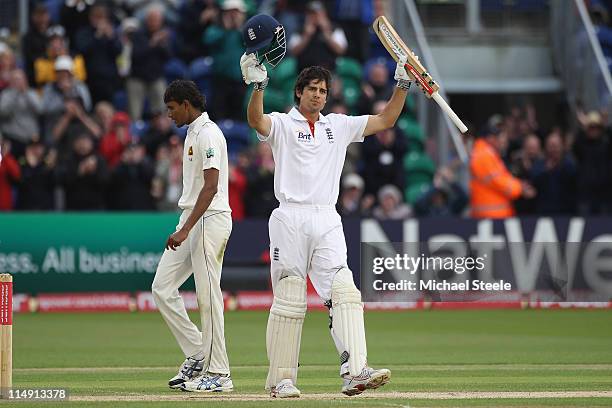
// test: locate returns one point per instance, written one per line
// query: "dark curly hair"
(316, 73)
(181, 90)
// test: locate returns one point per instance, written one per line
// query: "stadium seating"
(419, 168)
(120, 101)
(279, 93)
(415, 191)
(138, 129)
(350, 72)
(200, 72)
(413, 132)
(175, 69)
(237, 135)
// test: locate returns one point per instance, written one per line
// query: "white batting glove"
(246, 61)
(252, 71)
(401, 75)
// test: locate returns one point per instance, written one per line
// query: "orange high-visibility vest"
(492, 187)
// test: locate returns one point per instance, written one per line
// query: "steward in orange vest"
(492, 187)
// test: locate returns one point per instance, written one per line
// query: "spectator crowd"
(83, 125)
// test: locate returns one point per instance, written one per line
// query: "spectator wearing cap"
(34, 41)
(36, 190)
(10, 175)
(351, 202)
(131, 180)
(493, 188)
(224, 40)
(390, 204)
(84, 176)
(44, 67)
(114, 143)
(100, 45)
(593, 152)
(554, 177)
(320, 42)
(20, 108)
(65, 105)
(150, 51)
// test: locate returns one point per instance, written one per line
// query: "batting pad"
(347, 322)
(284, 331)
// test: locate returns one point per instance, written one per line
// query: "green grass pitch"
(476, 358)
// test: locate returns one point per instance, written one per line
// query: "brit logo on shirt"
(330, 135)
(304, 137)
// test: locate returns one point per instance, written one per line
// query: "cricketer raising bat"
(396, 47)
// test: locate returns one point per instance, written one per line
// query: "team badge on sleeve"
(210, 153)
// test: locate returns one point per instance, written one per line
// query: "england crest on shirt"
(330, 135)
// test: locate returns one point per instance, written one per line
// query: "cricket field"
(497, 358)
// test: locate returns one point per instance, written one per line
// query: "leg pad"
(347, 325)
(284, 332)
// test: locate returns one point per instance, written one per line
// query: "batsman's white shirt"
(205, 148)
(306, 235)
(308, 167)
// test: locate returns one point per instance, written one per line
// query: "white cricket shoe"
(285, 389)
(191, 368)
(368, 379)
(209, 383)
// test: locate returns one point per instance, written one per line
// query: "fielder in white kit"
(197, 246)
(306, 234)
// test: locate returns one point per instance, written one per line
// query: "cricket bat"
(396, 47)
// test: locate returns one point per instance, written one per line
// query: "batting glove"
(252, 70)
(401, 75)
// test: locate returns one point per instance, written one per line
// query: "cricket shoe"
(190, 369)
(368, 379)
(285, 389)
(209, 383)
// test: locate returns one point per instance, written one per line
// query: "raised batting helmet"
(265, 36)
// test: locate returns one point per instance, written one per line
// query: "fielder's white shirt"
(205, 148)
(308, 167)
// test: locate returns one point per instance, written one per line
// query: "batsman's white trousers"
(200, 254)
(307, 240)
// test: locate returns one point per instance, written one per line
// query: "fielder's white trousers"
(200, 254)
